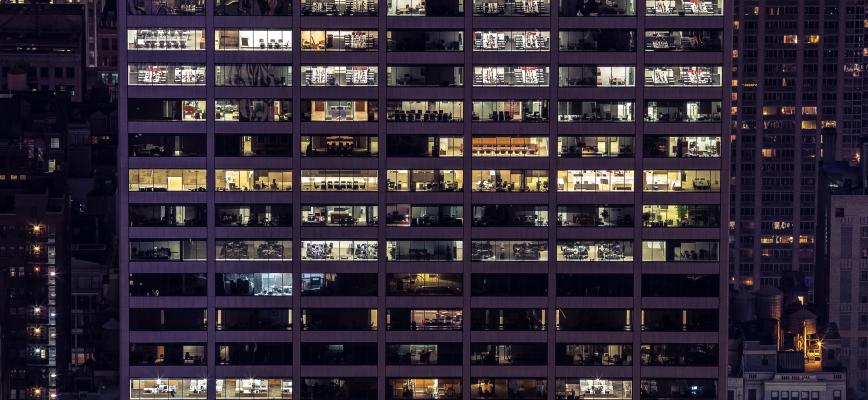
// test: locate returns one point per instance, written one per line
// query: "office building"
(314, 194)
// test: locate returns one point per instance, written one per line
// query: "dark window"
(507, 319)
(508, 353)
(672, 285)
(595, 285)
(338, 388)
(338, 353)
(424, 354)
(424, 284)
(168, 284)
(338, 284)
(509, 285)
(167, 319)
(254, 353)
(254, 319)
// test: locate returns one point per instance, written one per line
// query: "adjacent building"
(42, 48)
(846, 247)
(797, 97)
(763, 373)
(315, 194)
(34, 353)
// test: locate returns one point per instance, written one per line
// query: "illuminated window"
(167, 180)
(338, 40)
(252, 40)
(165, 39)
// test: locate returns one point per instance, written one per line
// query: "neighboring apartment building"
(315, 194)
(34, 278)
(42, 48)
(797, 83)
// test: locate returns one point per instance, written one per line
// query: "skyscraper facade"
(797, 90)
(316, 193)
